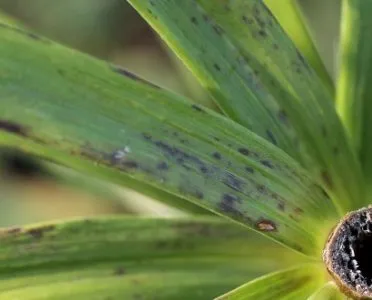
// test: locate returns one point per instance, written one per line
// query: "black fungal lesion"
(194, 20)
(271, 137)
(123, 72)
(267, 163)
(244, 151)
(217, 155)
(217, 67)
(233, 182)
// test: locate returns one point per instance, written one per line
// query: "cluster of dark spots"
(217, 67)
(197, 108)
(233, 182)
(283, 117)
(271, 137)
(123, 72)
(217, 155)
(162, 166)
(326, 177)
(13, 127)
(281, 206)
(119, 271)
(265, 225)
(38, 232)
(267, 164)
(194, 20)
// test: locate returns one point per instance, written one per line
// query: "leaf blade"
(123, 257)
(121, 129)
(329, 291)
(258, 68)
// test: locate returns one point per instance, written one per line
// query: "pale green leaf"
(329, 291)
(292, 284)
(132, 258)
(290, 17)
(80, 112)
(243, 57)
(355, 78)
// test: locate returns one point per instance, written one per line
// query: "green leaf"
(292, 20)
(295, 283)
(329, 291)
(243, 57)
(90, 118)
(132, 258)
(353, 90)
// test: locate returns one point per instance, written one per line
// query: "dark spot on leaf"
(281, 206)
(38, 232)
(147, 136)
(197, 108)
(244, 151)
(282, 115)
(13, 230)
(271, 137)
(298, 211)
(261, 189)
(228, 205)
(194, 20)
(262, 33)
(129, 164)
(132, 76)
(217, 67)
(324, 131)
(13, 127)
(217, 155)
(162, 166)
(233, 182)
(218, 29)
(266, 225)
(119, 271)
(249, 170)
(267, 163)
(327, 179)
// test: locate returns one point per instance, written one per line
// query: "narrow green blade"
(355, 78)
(243, 57)
(328, 292)
(290, 17)
(292, 284)
(132, 258)
(90, 118)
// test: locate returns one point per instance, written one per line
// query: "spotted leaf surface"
(131, 258)
(244, 58)
(104, 121)
(296, 283)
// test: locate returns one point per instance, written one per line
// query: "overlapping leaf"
(101, 120)
(131, 258)
(242, 56)
(353, 90)
(295, 283)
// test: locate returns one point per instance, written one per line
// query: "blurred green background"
(31, 191)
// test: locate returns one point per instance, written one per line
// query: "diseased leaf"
(328, 292)
(101, 120)
(132, 258)
(354, 84)
(246, 61)
(295, 283)
(289, 15)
